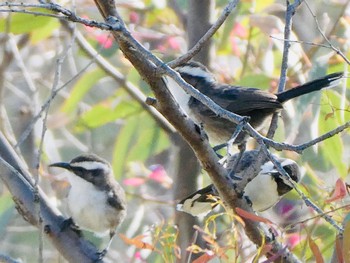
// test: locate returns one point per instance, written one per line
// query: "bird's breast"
(88, 207)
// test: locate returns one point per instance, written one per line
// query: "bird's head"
(88, 167)
(196, 74)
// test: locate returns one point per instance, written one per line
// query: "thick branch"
(21, 185)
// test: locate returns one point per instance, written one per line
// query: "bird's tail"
(317, 84)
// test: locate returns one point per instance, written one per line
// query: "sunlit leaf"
(150, 138)
(106, 112)
(122, 145)
(139, 138)
(6, 212)
(81, 87)
(45, 31)
(25, 23)
(256, 81)
(332, 148)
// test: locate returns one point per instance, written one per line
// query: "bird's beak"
(61, 165)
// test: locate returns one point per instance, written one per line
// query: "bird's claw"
(69, 223)
(101, 254)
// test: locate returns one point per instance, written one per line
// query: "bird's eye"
(96, 172)
(288, 170)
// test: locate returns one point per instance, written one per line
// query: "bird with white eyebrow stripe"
(266, 188)
(96, 201)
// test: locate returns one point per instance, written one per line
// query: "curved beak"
(61, 165)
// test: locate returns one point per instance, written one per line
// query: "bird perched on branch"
(96, 201)
(257, 104)
(262, 192)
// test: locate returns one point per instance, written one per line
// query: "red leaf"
(339, 191)
(251, 216)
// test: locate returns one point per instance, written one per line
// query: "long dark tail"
(317, 84)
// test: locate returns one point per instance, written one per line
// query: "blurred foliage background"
(93, 112)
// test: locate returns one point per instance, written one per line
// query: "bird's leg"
(241, 146)
(104, 252)
(240, 126)
(69, 223)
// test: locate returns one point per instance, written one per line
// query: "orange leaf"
(251, 216)
(316, 251)
(137, 242)
(339, 191)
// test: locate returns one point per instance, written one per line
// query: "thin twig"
(284, 66)
(299, 148)
(317, 216)
(66, 14)
(208, 35)
(330, 45)
(47, 103)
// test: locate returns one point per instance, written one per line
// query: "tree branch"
(21, 185)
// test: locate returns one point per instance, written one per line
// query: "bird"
(262, 192)
(96, 201)
(254, 103)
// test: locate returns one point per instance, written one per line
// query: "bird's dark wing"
(241, 100)
(199, 203)
(202, 194)
(116, 198)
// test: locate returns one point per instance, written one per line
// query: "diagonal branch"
(22, 187)
(208, 35)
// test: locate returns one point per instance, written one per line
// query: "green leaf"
(82, 86)
(150, 139)
(330, 118)
(122, 145)
(45, 31)
(7, 212)
(25, 23)
(255, 81)
(139, 139)
(105, 112)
